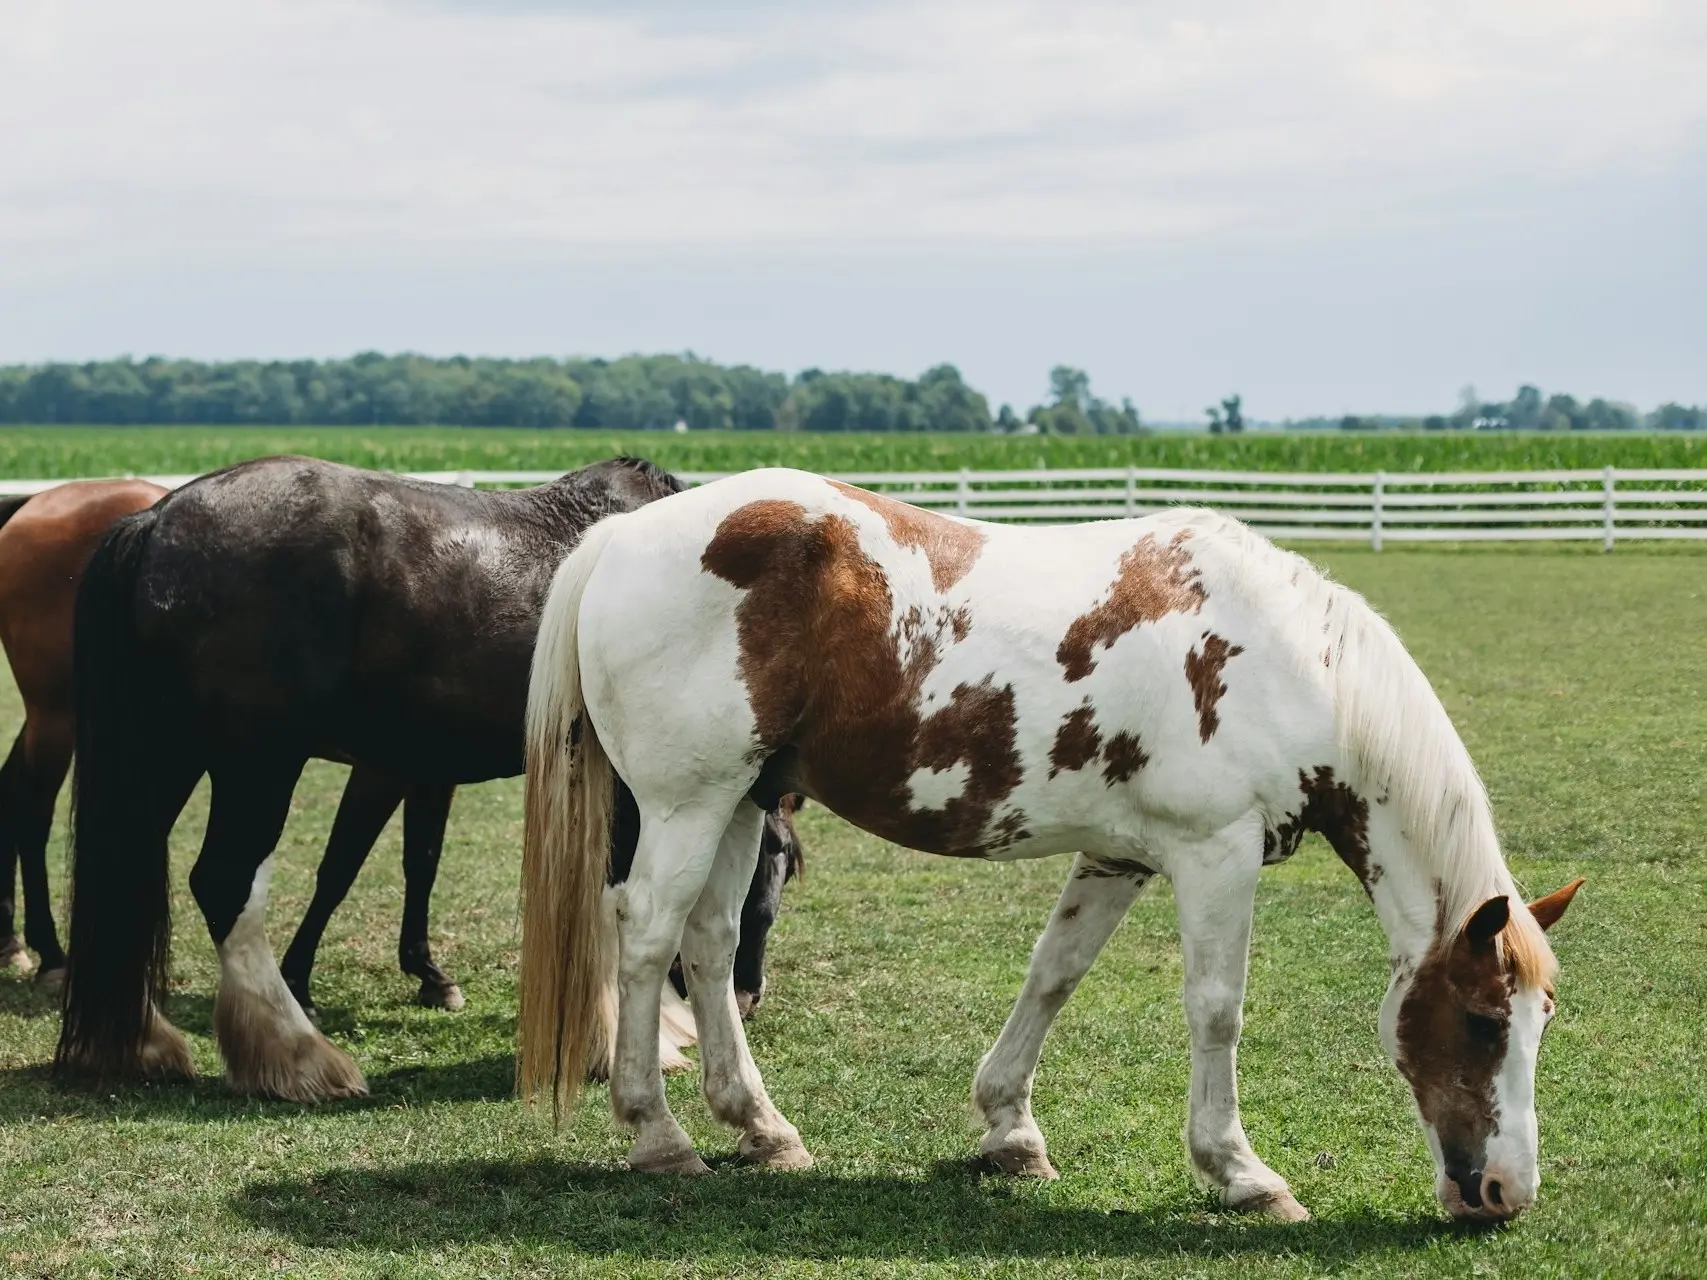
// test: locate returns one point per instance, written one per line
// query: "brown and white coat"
(1169, 695)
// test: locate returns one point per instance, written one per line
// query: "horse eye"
(1483, 1027)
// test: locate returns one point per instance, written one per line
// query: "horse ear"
(1488, 919)
(1548, 910)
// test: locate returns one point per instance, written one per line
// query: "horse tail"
(11, 504)
(568, 1005)
(121, 919)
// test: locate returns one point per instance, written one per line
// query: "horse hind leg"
(672, 864)
(733, 1088)
(1094, 902)
(269, 1045)
(426, 811)
(46, 762)
(13, 953)
(370, 798)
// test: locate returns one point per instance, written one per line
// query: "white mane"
(1393, 731)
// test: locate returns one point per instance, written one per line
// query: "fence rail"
(1374, 507)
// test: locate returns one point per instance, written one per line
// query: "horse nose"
(1501, 1197)
(1485, 1195)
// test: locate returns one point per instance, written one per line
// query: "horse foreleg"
(1086, 914)
(425, 813)
(1215, 891)
(370, 798)
(733, 1088)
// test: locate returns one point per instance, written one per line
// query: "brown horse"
(45, 540)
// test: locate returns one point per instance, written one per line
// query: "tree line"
(1530, 410)
(634, 393)
(658, 392)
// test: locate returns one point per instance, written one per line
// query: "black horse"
(272, 612)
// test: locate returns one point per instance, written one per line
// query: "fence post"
(964, 490)
(1606, 484)
(1375, 510)
(465, 479)
(1131, 491)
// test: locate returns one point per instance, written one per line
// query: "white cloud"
(180, 139)
(274, 120)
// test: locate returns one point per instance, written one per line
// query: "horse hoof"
(305, 1067)
(1276, 1206)
(1020, 1162)
(747, 1002)
(683, 1164)
(51, 979)
(784, 1154)
(433, 995)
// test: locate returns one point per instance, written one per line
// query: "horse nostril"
(1469, 1187)
(1491, 1193)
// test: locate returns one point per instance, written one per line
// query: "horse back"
(963, 688)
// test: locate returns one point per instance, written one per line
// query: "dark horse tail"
(11, 504)
(121, 923)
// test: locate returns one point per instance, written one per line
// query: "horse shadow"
(30, 1091)
(954, 1212)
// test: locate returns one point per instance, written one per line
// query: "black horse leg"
(759, 912)
(36, 791)
(12, 951)
(425, 813)
(370, 798)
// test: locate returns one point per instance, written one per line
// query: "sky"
(1327, 207)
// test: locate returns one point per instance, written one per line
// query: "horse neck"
(1411, 898)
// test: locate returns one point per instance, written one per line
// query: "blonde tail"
(568, 1006)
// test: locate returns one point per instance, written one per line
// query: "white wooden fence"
(1609, 505)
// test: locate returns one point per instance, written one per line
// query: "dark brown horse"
(275, 611)
(45, 541)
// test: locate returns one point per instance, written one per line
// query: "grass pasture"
(1579, 681)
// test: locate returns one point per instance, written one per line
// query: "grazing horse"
(261, 615)
(45, 540)
(1172, 695)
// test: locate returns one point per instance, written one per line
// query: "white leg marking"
(1085, 916)
(671, 866)
(269, 1045)
(733, 1087)
(1215, 889)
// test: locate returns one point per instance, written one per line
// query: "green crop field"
(48, 452)
(1579, 682)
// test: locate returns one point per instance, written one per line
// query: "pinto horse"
(1171, 695)
(267, 613)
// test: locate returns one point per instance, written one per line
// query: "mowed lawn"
(1580, 683)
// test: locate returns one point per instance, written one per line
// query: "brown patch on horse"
(1203, 673)
(1334, 811)
(1151, 582)
(1452, 1031)
(1077, 741)
(951, 547)
(1123, 757)
(837, 686)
